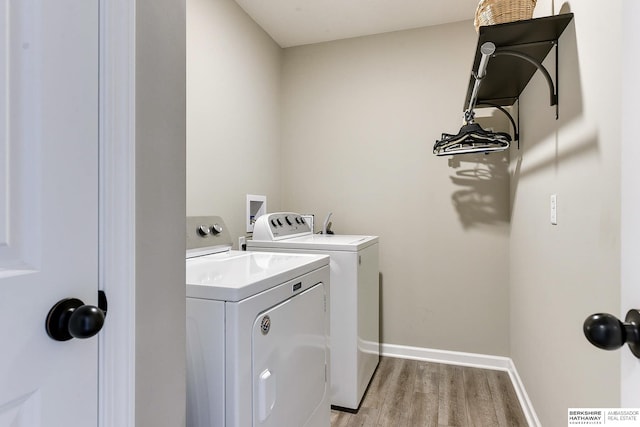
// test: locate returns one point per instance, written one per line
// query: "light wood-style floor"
(412, 393)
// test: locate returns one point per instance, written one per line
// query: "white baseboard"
(474, 360)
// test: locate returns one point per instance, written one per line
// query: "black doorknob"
(71, 318)
(607, 332)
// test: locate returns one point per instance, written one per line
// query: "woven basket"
(490, 12)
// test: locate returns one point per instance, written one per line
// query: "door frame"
(116, 358)
(629, 197)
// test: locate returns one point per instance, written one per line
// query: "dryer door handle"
(266, 394)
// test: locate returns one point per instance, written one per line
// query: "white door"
(48, 207)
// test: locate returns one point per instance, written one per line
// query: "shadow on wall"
(575, 143)
(483, 198)
(569, 81)
(568, 85)
(584, 144)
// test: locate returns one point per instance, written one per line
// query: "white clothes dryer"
(355, 297)
(257, 334)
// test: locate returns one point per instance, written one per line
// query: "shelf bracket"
(516, 134)
(553, 94)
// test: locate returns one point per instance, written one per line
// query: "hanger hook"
(469, 116)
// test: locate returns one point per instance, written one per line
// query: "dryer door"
(290, 358)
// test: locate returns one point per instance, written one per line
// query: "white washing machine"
(257, 334)
(355, 297)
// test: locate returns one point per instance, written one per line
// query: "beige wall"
(233, 113)
(360, 117)
(160, 213)
(561, 274)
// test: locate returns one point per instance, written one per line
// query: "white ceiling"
(298, 22)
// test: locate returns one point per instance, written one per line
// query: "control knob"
(203, 230)
(286, 218)
(216, 229)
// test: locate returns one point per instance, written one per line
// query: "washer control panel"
(280, 225)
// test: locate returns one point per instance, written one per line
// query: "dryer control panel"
(206, 234)
(280, 225)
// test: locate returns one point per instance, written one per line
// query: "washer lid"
(326, 242)
(236, 275)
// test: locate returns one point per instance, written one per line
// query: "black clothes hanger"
(471, 139)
